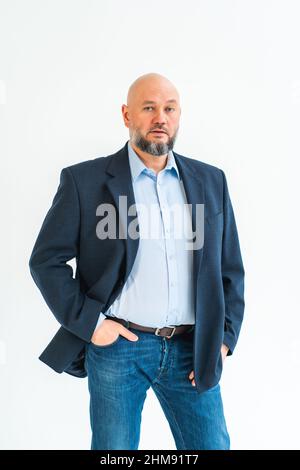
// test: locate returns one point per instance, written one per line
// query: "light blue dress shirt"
(159, 289)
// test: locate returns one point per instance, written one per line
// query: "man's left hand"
(224, 351)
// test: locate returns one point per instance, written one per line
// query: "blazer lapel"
(195, 194)
(120, 184)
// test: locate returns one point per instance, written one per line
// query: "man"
(144, 311)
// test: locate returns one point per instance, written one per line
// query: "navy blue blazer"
(69, 231)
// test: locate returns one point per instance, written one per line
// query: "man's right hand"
(108, 332)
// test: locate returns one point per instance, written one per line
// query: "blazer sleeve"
(232, 274)
(57, 243)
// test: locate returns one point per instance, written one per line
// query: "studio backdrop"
(65, 68)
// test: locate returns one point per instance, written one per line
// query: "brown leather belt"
(166, 331)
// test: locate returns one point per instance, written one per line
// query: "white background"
(65, 67)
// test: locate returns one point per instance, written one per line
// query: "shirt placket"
(170, 248)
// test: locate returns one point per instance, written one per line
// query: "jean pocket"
(103, 346)
(214, 388)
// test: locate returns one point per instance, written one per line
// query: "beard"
(153, 148)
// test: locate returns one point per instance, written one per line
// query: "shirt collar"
(137, 166)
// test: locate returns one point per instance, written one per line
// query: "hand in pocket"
(108, 333)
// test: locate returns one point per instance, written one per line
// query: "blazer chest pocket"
(215, 218)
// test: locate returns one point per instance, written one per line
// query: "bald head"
(148, 84)
(152, 114)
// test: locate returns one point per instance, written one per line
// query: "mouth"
(158, 132)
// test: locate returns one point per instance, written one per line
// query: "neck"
(156, 163)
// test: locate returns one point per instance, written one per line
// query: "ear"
(125, 114)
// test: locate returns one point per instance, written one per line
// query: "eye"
(151, 107)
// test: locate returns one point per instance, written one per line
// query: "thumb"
(128, 334)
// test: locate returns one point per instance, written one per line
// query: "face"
(152, 115)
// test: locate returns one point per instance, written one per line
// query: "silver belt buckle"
(158, 330)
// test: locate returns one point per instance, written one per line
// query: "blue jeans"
(119, 375)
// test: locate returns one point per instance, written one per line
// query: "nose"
(159, 117)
